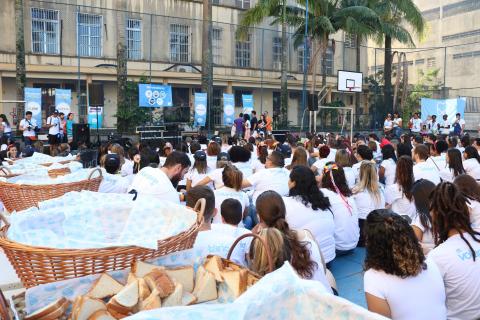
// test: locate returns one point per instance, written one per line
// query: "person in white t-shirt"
(307, 208)
(368, 194)
(258, 164)
(438, 158)
(28, 127)
(458, 125)
(386, 171)
(423, 169)
(470, 189)
(53, 125)
(323, 153)
(454, 165)
(471, 162)
(363, 152)
(398, 196)
(422, 220)
(444, 125)
(399, 282)
(342, 204)
(388, 125)
(112, 181)
(397, 125)
(240, 158)
(5, 127)
(343, 159)
(215, 176)
(457, 251)
(416, 124)
(161, 182)
(198, 171)
(213, 150)
(274, 177)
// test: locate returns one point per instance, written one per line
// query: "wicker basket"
(38, 265)
(17, 197)
(7, 173)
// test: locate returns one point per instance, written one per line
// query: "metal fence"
(82, 37)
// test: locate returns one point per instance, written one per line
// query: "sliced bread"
(114, 306)
(52, 307)
(188, 298)
(102, 315)
(85, 306)
(236, 281)
(205, 286)
(214, 265)
(143, 289)
(159, 280)
(175, 299)
(183, 275)
(140, 269)
(104, 287)
(131, 278)
(128, 296)
(152, 302)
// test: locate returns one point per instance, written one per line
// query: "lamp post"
(305, 48)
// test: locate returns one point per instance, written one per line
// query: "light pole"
(305, 51)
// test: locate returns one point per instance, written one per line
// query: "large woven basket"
(38, 265)
(17, 197)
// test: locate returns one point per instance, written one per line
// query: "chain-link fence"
(76, 47)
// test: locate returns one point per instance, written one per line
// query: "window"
(277, 53)
(215, 2)
(134, 39)
(329, 62)
(179, 43)
(460, 7)
(300, 58)
(89, 35)
(217, 45)
(243, 4)
(45, 31)
(238, 97)
(464, 55)
(431, 62)
(432, 14)
(350, 40)
(471, 33)
(242, 53)
(419, 61)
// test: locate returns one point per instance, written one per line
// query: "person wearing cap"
(112, 181)
(199, 170)
(53, 125)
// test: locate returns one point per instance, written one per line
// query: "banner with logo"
(63, 100)
(247, 101)
(33, 103)
(95, 117)
(228, 109)
(154, 95)
(200, 109)
(439, 107)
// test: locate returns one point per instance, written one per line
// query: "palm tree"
(395, 16)
(21, 77)
(275, 9)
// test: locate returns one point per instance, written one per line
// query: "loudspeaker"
(95, 94)
(81, 133)
(312, 102)
(280, 135)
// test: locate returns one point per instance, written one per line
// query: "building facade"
(73, 43)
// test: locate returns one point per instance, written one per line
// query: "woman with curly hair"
(454, 165)
(470, 189)
(342, 204)
(399, 282)
(305, 256)
(398, 196)
(457, 251)
(307, 208)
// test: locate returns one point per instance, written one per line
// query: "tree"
(275, 9)
(121, 75)
(21, 74)
(427, 84)
(207, 59)
(394, 15)
(129, 114)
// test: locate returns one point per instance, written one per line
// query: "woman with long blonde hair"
(299, 158)
(368, 194)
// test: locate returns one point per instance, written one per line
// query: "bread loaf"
(50, 308)
(213, 264)
(175, 299)
(159, 280)
(205, 286)
(183, 275)
(140, 269)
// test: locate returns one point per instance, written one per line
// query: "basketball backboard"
(349, 81)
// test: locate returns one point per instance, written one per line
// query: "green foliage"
(129, 114)
(428, 82)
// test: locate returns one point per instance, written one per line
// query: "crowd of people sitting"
(412, 202)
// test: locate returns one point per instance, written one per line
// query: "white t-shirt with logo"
(444, 124)
(426, 170)
(472, 168)
(390, 167)
(412, 298)
(461, 275)
(24, 124)
(366, 202)
(229, 193)
(275, 179)
(416, 125)
(217, 242)
(153, 181)
(55, 129)
(319, 222)
(400, 204)
(347, 231)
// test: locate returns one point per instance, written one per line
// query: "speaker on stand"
(96, 99)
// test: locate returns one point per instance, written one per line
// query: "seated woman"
(307, 208)
(199, 170)
(422, 221)
(299, 247)
(471, 162)
(457, 251)
(112, 181)
(399, 282)
(398, 196)
(454, 165)
(471, 190)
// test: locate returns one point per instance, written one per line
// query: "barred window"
(243, 4)
(277, 53)
(242, 52)
(419, 61)
(45, 31)
(134, 39)
(217, 45)
(431, 63)
(350, 40)
(179, 43)
(301, 58)
(89, 35)
(329, 62)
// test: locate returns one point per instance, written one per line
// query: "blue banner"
(63, 100)
(95, 117)
(228, 109)
(247, 100)
(200, 109)
(439, 107)
(33, 103)
(154, 95)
